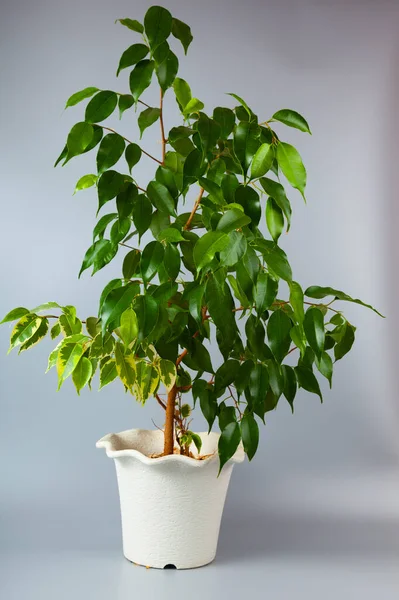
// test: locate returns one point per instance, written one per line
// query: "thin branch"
(160, 401)
(144, 103)
(196, 205)
(129, 142)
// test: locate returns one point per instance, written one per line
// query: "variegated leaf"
(24, 330)
(128, 328)
(167, 373)
(147, 380)
(125, 366)
(55, 330)
(82, 373)
(69, 354)
(108, 372)
(36, 337)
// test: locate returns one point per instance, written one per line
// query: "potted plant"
(196, 270)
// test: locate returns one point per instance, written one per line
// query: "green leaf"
(307, 380)
(140, 78)
(296, 301)
(167, 69)
(250, 435)
(142, 214)
(197, 441)
(265, 292)
(147, 311)
(131, 24)
(147, 380)
(44, 307)
(182, 91)
(274, 219)
(147, 118)
(69, 354)
(111, 149)
(125, 102)
(226, 374)
(275, 258)
(201, 356)
(314, 329)
(131, 264)
(243, 103)
(128, 328)
(207, 246)
(209, 131)
(161, 198)
(39, 334)
(167, 373)
(113, 284)
(276, 191)
(115, 303)
(132, 56)
(346, 342)
(108, 373)
(325, 366)
(290, 384)
(262, 161)
(99, 229)
(182, 32)
(247, 271)
(81, 95)
(92, 254)
(157, 25)
(278, 333)
(82, 373)
(290, 162)
(132, 155)
(292, 119)
(126, 199)
(249, 200)
(297, 335)
(172, 261)
(14, 314)
(220, 306)
(85, 182)
(213, 189)
(101, 106)
(109, 185)
(55, 331)
(170, 234)
(104, 256)
(193, 106)
(235, 250)
(207, 398)
(246, 142)
(151, 259)
(79, 139)
(228, 443)
(232, 219)
(225, 117)
(24, 330)
(318, 292)
(125, 366)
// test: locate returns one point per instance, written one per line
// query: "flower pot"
(171, 506)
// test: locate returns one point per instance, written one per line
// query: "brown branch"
(144, 103)
(162, 128)
(196, 205)
(161, 402)
(130, 142)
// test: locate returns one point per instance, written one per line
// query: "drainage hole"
(170, 567)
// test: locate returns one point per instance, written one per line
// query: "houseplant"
(207, 271)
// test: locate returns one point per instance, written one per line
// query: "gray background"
(316, 514)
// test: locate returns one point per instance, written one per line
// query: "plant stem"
(162, 127)
(169, 430)
(196, 205)
(129, 142)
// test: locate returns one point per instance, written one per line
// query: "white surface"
(171, 506)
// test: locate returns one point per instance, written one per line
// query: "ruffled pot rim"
(139, 443)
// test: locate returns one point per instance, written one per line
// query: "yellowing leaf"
(24, 330)
(36, 337)
(82, 373)
(147, 380)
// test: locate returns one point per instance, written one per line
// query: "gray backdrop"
(316, 513)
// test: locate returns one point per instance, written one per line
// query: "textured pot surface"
(171, 506)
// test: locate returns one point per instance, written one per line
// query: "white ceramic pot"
(171, 506)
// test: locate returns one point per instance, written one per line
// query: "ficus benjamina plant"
(209, 272)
